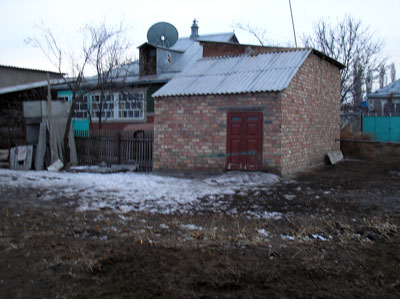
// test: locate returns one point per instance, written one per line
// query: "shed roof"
(241, 74)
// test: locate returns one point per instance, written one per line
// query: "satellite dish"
(162, 34)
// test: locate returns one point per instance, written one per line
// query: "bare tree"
(392, 73)
(47, 43)
(111, 60)
(100, 49)
(382, 76)
(368, 82)
(353, 45)
(358, 76)
(259, 34)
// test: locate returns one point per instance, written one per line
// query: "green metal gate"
(382, 128)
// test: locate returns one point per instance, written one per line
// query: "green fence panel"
(369, 126)
(80, 124)
(395, 129)
(382, 128)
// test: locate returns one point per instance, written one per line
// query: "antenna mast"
(294, 32)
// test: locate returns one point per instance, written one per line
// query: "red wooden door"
(244, 141)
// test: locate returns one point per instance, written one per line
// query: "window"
(63, 98)
(103, 108)
(396, 107)
(81, 107)
(118, 106)
(131, 105)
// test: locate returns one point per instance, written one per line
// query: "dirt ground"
(336, 234)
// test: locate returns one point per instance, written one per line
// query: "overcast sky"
(18, 18)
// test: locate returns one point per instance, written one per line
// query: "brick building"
(267, 109)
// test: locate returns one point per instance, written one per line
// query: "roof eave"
(214, 94)
(327, 58)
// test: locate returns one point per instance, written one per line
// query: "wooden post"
(362, 118)
(119, 147)
(9, 143)
(53, 142)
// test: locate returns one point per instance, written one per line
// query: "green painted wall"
(77, 124)
(150, 100)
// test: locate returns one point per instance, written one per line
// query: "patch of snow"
(84, 167)
(164, 226)
(243, 178)
(273, 215)
(395, 173)
(289, 196)
(263, 215)
(191, 227)
(289, 181)
(130, 191)
(233, 211)
(263, 232)
(287, 237)
(319, 237)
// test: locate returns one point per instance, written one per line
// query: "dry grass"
(355, 149)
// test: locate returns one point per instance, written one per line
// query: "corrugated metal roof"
(27, 69)
(191, 51)
(188, 52)
(240, 74)
(31, 85)
(219, 37)
(393, 88)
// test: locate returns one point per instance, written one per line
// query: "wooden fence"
(111, 147)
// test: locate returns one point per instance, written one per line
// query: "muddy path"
(329, 233)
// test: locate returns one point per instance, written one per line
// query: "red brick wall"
(213, 49)
(310, 115)
(190, 132)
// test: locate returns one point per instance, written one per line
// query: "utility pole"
(294, 32)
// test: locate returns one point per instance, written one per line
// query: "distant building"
(130, 105)
(386, 100)
(16, 86)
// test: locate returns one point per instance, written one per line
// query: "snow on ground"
(135, 191)
(263, 232)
